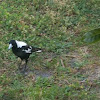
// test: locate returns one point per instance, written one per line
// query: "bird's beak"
(10, 46)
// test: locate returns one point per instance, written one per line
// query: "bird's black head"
(12, 43)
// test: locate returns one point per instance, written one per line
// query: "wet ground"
(44, 73)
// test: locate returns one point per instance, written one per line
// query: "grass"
(58, 27)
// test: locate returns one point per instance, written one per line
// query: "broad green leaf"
(92, 36)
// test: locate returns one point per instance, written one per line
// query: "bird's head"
(12, 43)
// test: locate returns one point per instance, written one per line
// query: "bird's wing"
(27, 49)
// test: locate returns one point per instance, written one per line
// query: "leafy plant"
(92, 36)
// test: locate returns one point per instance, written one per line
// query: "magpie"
(22, 50)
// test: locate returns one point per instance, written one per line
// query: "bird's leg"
(26, 63)
(20, 65)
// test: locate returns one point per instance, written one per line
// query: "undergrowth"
(56, 26)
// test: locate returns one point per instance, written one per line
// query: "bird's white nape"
(20, 44)
(10, 46)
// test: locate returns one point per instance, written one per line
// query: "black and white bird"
(22, 50)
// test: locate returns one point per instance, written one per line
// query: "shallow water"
(43, 73)
(38, 73)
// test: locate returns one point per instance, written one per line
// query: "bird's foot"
(24, 70)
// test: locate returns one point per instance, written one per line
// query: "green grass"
(56, 26)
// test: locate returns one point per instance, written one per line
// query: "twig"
(71, 56)
(62, 63)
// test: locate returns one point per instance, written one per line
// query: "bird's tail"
(35, 49)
